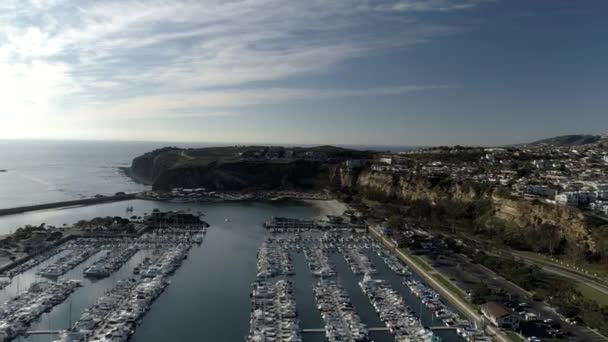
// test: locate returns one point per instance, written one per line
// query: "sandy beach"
(328, 207)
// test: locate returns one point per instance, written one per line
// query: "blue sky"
(388, 72)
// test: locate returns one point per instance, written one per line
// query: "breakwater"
(63, 204)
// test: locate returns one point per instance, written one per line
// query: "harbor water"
(208, 298)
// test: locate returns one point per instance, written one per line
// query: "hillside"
(239, 167)
(567, 140)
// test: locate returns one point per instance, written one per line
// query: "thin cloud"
(68, 54)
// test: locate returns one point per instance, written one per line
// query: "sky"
(367, 72)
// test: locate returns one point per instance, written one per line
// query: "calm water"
(208, 299)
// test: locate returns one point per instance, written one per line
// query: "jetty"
(64, 204)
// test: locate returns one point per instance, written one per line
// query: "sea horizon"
(202, 144)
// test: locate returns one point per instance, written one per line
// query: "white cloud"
(60, 57)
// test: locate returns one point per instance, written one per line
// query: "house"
(500, 315)
(386, 160)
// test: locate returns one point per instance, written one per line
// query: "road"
(563, 271)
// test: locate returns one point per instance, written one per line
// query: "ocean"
(50, 171)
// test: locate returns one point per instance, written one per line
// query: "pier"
(43, 332)
(322, 330)
(64, 204)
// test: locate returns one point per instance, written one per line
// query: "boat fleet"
(319, 262)
(442, 312)
(111, 262)
(273, 313)
(115, 316)
(79, 251)
(341, 321)
(358, 262)
(32, 262)
(273, 260)
(398, 317)
(18, 313)
(393, 263)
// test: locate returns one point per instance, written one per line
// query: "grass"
(422, 263)
(593, 269)
(432, 272)
(453, 288)
(593, 294)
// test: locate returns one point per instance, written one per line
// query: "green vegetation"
(557, 291)
(592, 294)
(450, 286)
(421, 263)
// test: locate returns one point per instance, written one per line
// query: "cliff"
(517, 221)
(239, 167)
(449, 199)
(244, 175)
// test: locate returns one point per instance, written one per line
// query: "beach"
(328, 207)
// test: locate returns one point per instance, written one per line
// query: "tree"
(480, 293)
(395, 222)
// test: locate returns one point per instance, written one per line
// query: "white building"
(500, 316)
(386, 160)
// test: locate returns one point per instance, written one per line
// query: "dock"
(322, 330)
(43, 332)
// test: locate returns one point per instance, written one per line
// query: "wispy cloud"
(138, 58)
(219, 102)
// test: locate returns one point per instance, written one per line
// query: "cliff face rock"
(529, 215)
(170, 168)
(244, 176)
(526, 215)
(148, 167)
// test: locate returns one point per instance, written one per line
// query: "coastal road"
(562, 271)
(454, 299)
(595, 282)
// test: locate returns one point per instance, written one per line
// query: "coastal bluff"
(241, 167)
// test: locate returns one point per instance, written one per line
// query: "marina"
(79, 251)
(273, 313)
(207, 279)
(341, 321)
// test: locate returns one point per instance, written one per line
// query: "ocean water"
(44, 171)
(49, 171)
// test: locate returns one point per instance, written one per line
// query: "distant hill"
(567, 140)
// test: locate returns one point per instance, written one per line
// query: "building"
(386, 160)
(576, 198)
(500, 315)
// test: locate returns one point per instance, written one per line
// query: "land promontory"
(240, 167)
